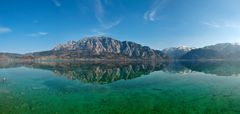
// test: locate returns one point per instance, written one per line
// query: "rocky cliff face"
(97, 45)
(106, 47)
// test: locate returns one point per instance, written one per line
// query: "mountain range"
(107, 48)
(218, 51)
(98, 47)
(177, 52)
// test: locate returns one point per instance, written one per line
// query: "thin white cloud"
(223, 24)
(111, 24)
(100, 15)
(43, 33)
(235, 25)
(57, 3)
(5, 30)
(212, 24)
(97, 32)
(152, 13)
(38, 34)
(99, 11)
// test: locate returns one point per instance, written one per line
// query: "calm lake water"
(109, 88)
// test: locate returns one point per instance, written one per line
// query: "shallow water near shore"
(90, 88)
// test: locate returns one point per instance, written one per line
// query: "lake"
(56, 87)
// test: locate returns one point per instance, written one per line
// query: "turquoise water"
(131, 88)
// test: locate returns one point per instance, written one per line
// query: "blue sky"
(37, 25)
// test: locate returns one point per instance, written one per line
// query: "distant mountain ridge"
(101, 47)
(107, 48)
(177, 52)
(4, 56)
(218, 51)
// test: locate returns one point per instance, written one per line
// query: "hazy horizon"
(122, 40)
(39, 25)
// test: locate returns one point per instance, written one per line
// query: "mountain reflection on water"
(103, 73)
(219, 68)
(99, 72)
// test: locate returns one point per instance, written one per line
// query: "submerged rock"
(3, 79)
(4, 91)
